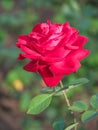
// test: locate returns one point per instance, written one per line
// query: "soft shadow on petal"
(50, 79)
(32, 66)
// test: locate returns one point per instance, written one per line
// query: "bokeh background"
(17, 87)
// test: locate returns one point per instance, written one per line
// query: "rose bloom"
(54, 50)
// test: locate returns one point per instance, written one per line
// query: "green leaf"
(79, 106)
(56, 91)
(89, 115)
(74, 84)
(94, 101)
(71, 126)
(59, 124)
(47, 90)
(50, 90)
(39, 103)
(79, 81)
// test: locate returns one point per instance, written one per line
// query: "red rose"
(55, 50)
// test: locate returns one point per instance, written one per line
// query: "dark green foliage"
(59, 124)
(89, 115)
(79, 106)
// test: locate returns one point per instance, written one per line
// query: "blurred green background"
(17, 87)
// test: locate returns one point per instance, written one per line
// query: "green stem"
(68, 103)
(75, 121)
(65, 95)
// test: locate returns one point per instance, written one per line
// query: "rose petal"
(56, 55)
(42, 28)
(21, 57)
(79, 54)
(55, 28)
(30, 52)
(22, 40)
(50, 79)
(32, 66)
(67, 29)
(81, 40)
(65, 68)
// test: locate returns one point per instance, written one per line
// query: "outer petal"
(65, 67)
(68, 30)
(23, 56)
(49, 78)
(69, 41)
(79, 54)
(22, 40)
(70, 64)
(28, 51)
(81, 40)
(32, 66)
(42, 28)
(56, 55)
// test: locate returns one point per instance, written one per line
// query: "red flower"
(55, 50)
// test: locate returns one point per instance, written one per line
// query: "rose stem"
(65, 95)
(68, 102)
